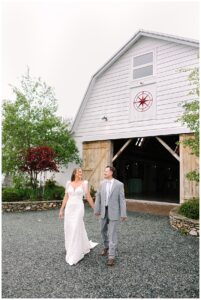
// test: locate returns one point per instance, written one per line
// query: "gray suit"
(110, 216)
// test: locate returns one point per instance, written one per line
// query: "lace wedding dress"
(76, 239)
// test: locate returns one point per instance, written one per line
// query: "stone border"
(21, 206)
(184, 224)
(156, 208)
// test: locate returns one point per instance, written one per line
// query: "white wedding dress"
(76, 239)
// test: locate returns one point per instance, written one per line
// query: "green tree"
(31, 121)
(190, 118)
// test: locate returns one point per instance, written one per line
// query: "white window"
(143, 65)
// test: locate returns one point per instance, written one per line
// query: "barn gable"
(107, 110)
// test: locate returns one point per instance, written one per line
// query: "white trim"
(141, 133)
(145, 81)
(143, 65)
(138, 81)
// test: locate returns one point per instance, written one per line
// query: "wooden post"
(122, 149)
(188, 162)
(168, 148)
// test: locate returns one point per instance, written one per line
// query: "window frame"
(143, 65)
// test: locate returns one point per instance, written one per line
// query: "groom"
(110, 204)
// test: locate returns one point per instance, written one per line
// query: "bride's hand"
(61, 214)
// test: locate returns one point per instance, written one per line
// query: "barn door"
(96, 156)
(188, 162)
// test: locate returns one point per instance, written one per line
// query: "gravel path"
(154, 261)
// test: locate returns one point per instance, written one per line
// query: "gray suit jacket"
(116, 202)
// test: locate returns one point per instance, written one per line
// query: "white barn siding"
(110, 95)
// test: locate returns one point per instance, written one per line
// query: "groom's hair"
(113, 170)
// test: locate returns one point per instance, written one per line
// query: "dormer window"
(143, 65)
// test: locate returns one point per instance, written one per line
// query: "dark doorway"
(148, 170)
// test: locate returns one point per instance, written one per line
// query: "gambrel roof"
(115, 57)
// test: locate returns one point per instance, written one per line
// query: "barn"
(129, 118)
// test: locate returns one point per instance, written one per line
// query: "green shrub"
(35, 194)
(50, 193)
(11, 195)
(50, 183)
(190, 209)
(20, 194)
(54, 193)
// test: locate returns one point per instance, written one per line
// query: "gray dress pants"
(109, 234)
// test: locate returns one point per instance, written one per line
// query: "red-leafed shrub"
(36, 160)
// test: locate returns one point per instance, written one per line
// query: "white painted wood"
(138, 116)
(109, 91)
(135, 134)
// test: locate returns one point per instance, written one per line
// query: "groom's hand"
(97, 214)
(123, 218)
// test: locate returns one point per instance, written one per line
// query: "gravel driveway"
(154, 261)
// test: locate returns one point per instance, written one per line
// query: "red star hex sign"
(143, 101)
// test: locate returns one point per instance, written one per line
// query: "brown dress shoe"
(104, 252)
(110, 262)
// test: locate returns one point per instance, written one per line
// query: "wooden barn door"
(96, 156)
(188, 162)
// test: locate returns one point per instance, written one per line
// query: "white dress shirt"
(108, 190)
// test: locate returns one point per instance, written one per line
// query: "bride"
(72, 210)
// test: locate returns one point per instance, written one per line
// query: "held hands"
(97, 214)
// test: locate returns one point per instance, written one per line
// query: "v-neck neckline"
(74, 189)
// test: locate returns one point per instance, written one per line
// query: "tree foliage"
(37, 160)
(31, 121)
(190, 118)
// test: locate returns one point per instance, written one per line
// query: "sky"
(66, 42)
